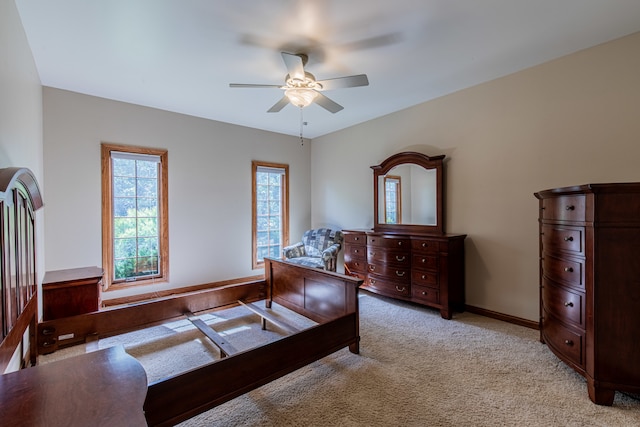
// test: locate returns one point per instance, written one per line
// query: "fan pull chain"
(301, 125)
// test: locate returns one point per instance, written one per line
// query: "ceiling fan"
(301, 87)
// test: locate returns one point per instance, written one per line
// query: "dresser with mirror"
(407, 255)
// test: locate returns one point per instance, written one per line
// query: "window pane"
(124, 186)
(147, 207)
(274, 193)
(147, 187)
(262, 207)
(263, 223)
(147, 265)
(147, 227)
(124, 227)
(262, 192)
(124, 167)
(262, 252)
(263, 238)
(274, 223)
(274, 251)
(124, 207)
(124, 248)
(124, 268)
(274, 179)
(147, 169)
(147, 246)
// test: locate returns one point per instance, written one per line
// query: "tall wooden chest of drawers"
(590, 283)
(425, 269)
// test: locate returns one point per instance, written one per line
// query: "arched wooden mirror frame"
(427, 162)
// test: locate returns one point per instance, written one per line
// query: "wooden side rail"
(54, 334)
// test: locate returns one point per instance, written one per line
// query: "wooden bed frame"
(327, 298)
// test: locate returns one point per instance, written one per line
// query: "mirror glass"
(407, 194)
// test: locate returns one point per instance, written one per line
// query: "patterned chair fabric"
(319, 248)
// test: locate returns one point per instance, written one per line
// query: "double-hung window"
(134, 212)
(270, 210)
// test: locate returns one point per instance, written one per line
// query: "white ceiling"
(181, 55)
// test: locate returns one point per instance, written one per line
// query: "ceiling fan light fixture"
(301, 96)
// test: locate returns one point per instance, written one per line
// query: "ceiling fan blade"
(294, 64)
(252, 85)
(327, 104)
(343, 82)
(279, 105)
(372, 42)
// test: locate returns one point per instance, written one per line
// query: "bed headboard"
(19, 199)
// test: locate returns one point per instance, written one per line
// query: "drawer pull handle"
(356, 250)
(425, 244)
(400, 289)
(372, 267)
(424, 293)
(48, 331)
(423, 277)
(568, 269)
(570, 208)
(372, 281)
(568, 239)
(400, 258)
(48, 343)
(400, 243)
(568, 342)
(400, 273)
(356, 238)
(568, 304)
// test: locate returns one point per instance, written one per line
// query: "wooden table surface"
(103, 388)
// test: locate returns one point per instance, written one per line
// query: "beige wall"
(571, 121)
(20, 119)
(20, 96)
(209, 184)
(20, 108)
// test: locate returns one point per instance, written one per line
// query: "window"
(134, 215)
(392, 206)
(270, 210)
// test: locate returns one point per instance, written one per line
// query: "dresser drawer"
(389, 242)
(424, 294)
(563, 270)
(391, 272)
(424, 246)
(381, 255)
(356, 265)
(565, 341)
(564, 208)
(355, 238)
(563, 303)
(424, 262)
(424, 278)
(355, 252)
(389, 288)
(557, 238)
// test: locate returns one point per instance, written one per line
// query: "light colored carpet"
(415, 369)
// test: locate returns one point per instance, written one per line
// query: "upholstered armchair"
(319, 248)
